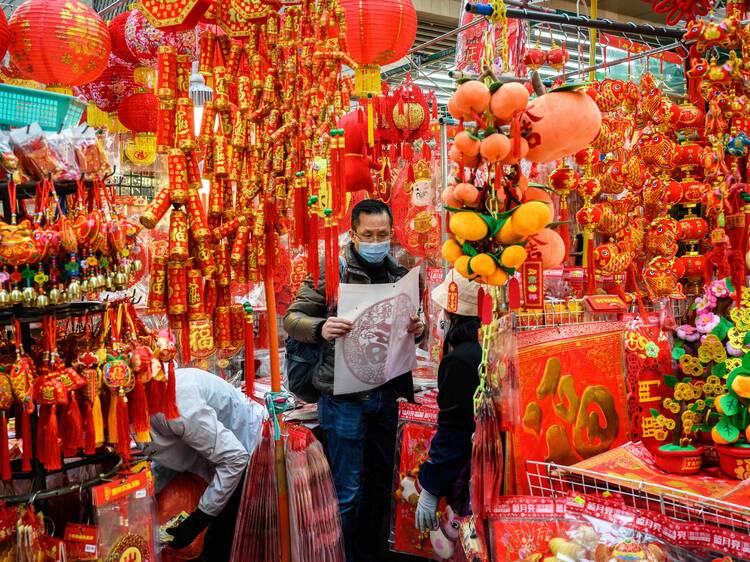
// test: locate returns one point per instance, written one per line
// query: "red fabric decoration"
(155, 396)
(677, 10)
(138, 407)
(117, 36)
(379, 31)
(71, 428)
(28, 447)
(123, 427)
(357, 164)
(112, 86)
(170, 397)
(4, 453)
(406, 113)
(138, 112)
(89, 446)
(181, 15)
(47, 48)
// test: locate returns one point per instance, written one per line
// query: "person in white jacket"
(214, 437)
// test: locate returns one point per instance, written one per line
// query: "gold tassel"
(98, 421)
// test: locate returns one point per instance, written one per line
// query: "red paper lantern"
(4, 34)
(689, 154)
(589, 188)
(59, 42)
(138, 112)
(557, 57)
(117, 35)
(693, 191)
(587, 157)
(379, 32)
(112, 86)
(692, 265)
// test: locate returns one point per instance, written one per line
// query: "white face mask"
(443, 324)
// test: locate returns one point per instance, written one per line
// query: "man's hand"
(335, 328)
(187, 531)
(416, 326)
(426, 515)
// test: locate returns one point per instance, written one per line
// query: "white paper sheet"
(378, 348)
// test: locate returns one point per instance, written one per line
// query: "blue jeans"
(361, 442)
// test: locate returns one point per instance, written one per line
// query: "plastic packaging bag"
(33, 150)
(90, 155)
(125, 513)
(62, 145)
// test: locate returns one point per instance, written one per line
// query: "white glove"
(426, 517)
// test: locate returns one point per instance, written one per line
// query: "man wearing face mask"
(360, 429)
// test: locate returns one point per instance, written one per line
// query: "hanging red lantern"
(143, 39)
(112, 86)
(4, 34)
(589, 216)
(378, 32)
(534, 58)
(59, 42)
(693, 191)
(117, 35)
(179, 15)
(557, 57)
(692, 228)
(138, 112)
(688, 154)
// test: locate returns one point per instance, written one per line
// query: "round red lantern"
(59, 42)
(692, 264)
(564, 179)
(693, 191)
(588, 188)
(117, 35)
(688, 154)
(589, 216)
(587, 157)
(557, 57)
(4, 34)
(138, 112)
(673, 192)
(534, 58)
(378, 32)
(112, 86)
(692, 228)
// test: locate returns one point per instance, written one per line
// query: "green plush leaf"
(720, 370)
(654, 412)
(571, 86)
(720, 331)
(677, 352)
(489, 131)
(671, 381)
(693, 407)
(686, 379)
(495, 86)
(746, 362)
(730, 404)
(730, 285)
(727, 430)
(468, 249)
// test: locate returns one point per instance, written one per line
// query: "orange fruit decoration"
(529, 218)
(466, 194)
(509, 100)
(467, 143)
(496, 279)
(462, 266)
(741, 386)
(524, 150)
(507, 235)
(467, 225)
(718, 439)
(483, 265)
(461, 159)
(451, 251)
(536, 194)
(471, 97)
(495, 147)
(449, 198)
(513, 256)
(549, 245)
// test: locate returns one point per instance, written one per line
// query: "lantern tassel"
(50, 436)
(370, 122)
(313, 258)
(96, 412)
(28, 446)
(112, 419)
(71, 427)
(590, 270)
(138, 409)
(170, 400)
(155, 396)
(4, 453)
(249, 355)
(123, 426)
(89, 447)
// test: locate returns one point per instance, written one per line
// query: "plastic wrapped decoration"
(415, 217)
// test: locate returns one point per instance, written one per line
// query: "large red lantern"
(4, 34)
(178, 15)
(143, 39)
(59, 42)
(378, 32)
(112, 86)
(138, 112)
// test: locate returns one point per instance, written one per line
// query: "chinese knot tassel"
(96, 412)
(590, 270)
(4, 453)
(48, 438)
(112, 420)
(123, 426)
(28, 452)
(313, 260)
(170, 398)
(139, 413)
(89, 446)
(249, 353)
(515, 136)
(300, 210)
(332, 261)
(155, 396)
(71, 427)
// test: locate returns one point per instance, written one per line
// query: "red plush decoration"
(357, 164)
(138, 112)
(406, 113)
(379, 31)
(4, 34)
(59, 42)
(677, 10)
(117, 35)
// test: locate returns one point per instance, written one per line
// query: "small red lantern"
(693, 191)
(673, 192)
(688, 154)
(534, 58)
(692, 264)
(557, 57)
(564, 179)
(59, 42)
(588, 188)
(587, 157)
(138, 112)
(692, 228)
(4, 34)
(378, 32)
(589, 216)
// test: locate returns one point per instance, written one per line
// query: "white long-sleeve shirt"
(214, 436)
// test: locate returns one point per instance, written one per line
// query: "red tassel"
(515, 136)
(249, 356)
(170, 399)
(89, 447)
(138, 407)
(123, 428)
(42, 423)
(4, 453)
(28, 452)
(313, 258)
(71, 427)
(590, 270)
(155, 396)
(332, 263)
(300, 213)
(50, 438)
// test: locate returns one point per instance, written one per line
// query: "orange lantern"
(139, 112)
(179, 15)
(378, 32)
(58, 42)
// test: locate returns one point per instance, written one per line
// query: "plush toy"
(559, 124)
(443, 539)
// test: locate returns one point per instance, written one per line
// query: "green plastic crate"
(22, 106)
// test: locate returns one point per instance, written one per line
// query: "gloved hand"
(426, 517)
(187, 531)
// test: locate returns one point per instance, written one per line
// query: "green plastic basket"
(22, 106)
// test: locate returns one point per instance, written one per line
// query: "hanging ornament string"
(499, 18)
(12, 201)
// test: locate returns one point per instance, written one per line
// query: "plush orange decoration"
(510, 159)
(471, 98)
(559, 124)
(549, 245)
(509, 100)
(468, 225)
(467, 143)
(466, 194)
(495, 147)
(529, 218)
(536, 194)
